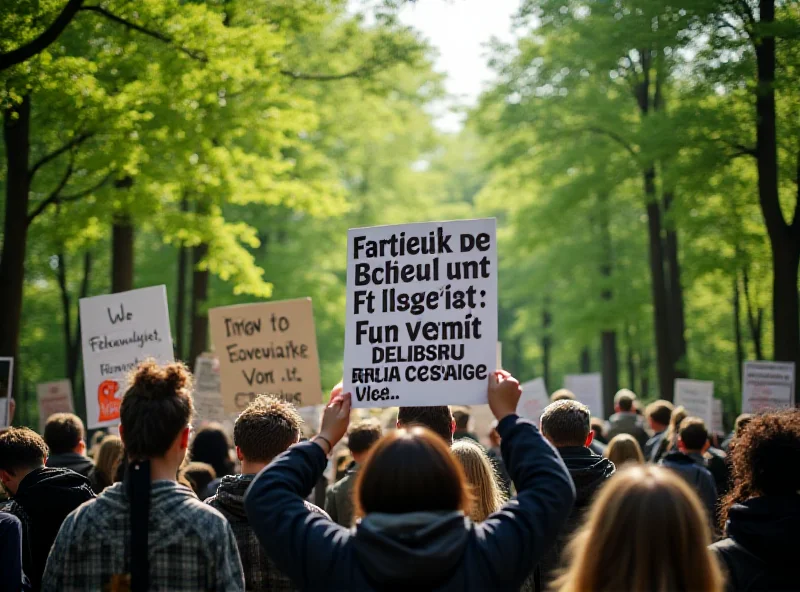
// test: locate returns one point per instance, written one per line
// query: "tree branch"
(76, 141)
(43, 41)
(367, 68)
(55, 193)
(192, 53)
(55, 196)
(614, 136)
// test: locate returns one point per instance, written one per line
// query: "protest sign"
(267, 348)
(421, 313)
(767, 385)
(588, 389)
(696, 396)
(207, 394)
(53, 397)
(717, 425)
(533, 400)
(118, 332)
(6, 384)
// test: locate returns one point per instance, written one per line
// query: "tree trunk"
(754, 320)
(631, 360)
(586, 360)
(72, 348)
(677, 324)
(546, 344)
(644, 373)
(180, 313)
(122, 254)
(16, 136)
(199, 296)
(608, 346)
(737, 327)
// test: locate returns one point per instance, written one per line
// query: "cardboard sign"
(697, 397)
(421, 313)
(118, 332)
(717, 425)
(268, 348)
(207, 394)
(6, 384)
(588, 389)
(53, 397)
(767, 385)
(533, 400)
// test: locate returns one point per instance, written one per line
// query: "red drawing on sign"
(107, 400)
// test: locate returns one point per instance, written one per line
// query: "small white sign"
(718, 426)
(118, 332)
(696, 396)
(207, 395)
(588, 389)
(767, 385)
(53, 397)
(533, 400)
(421, 313)
(6, 386)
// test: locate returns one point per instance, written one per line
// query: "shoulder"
(203, 516)
(342, 484)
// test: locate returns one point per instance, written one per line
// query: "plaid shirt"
(260, 572)
(191, 546)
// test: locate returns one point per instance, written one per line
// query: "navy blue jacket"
(422, 550)
(11, 577)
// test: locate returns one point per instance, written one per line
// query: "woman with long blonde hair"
(481, 477)
(646, 530)
(623, 449)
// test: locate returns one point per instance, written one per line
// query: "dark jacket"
(717, 465)
(415, 551)
(692, 468)
(627, 423)
(12, 578)
(651, 447)
(260, 572)
(588, 471)
(339, 498)
(82, 465)
(44, 498)
(760, 552)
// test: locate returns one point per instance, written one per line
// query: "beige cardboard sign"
(54, 397)
(267, 348)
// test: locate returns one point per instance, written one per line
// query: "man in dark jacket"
(267, 427)
(658, 414)
(12, 578)
(626, 420)
(339, 498)
(688, 461)
(42, 497)
(438, 419)
(66, 440)
(566, 424)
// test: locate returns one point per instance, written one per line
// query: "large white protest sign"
(697, 397)
(717, 425)
(6, 384)
(207, 396)
(118, 332)
(533, 400)
(588, 389)
(53, 397)
(767, 385)
(421, 313)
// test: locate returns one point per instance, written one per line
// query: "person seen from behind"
(623, 449)
(361, 437)
(109, 456)
(461, 416)
(439, 419)
(625, 419)
(669, 442)
(198, 476)
(211, 445)
(738, 426)
(12, 578)
(65, 437)
(761, 514)
(413, 500)
(148, 532)
(645, 531)
(487, 497)
(658, 414)
(41, 496)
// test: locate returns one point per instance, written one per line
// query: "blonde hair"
(486, 495)
(624, 448)
(109, 455)
(670, 439)
(646, 530)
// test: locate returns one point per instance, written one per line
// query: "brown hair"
(765, 459)
(410, 470)
(482, 479)
(646, 530)
(660, 411)
(461, 417)
(156, 407)
(199, 475)
(63, 432)
(109, 455)
(562, 395)
(361, 436)
(624, 399)
(566, 423)
(670, 439)
(693, 433)
(623, 448)
(266, 427)
(438, 419)
(21, 448)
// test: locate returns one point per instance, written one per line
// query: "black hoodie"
(760, 552)
(45, 497)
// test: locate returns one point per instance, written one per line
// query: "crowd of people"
(648, 500)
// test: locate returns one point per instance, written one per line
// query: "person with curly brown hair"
(761, 514)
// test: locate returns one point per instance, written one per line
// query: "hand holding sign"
(504, 394)
(336, 417)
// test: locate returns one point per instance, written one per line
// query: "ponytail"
(137, 487)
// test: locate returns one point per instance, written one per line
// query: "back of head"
(362, 435)
(597, 425)
(109, 455)
(566, 423)
(461, 417)
(438, 419)
(155, 409)
(199, 475)
(660, 412)
(481, 477)
(410, 470)
(624, 400)
(623, 448)
(693, 433)
(646, 530)
(741, 422)
(267, 427)
(211, 445)
(63, 432)
(21, 449)
(562, 395)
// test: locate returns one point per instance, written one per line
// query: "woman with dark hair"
(414, 500)
(212, 446)
(761, 514)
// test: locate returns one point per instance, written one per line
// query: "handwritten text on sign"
(118, 332)
(268, 348)
(421, 313)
